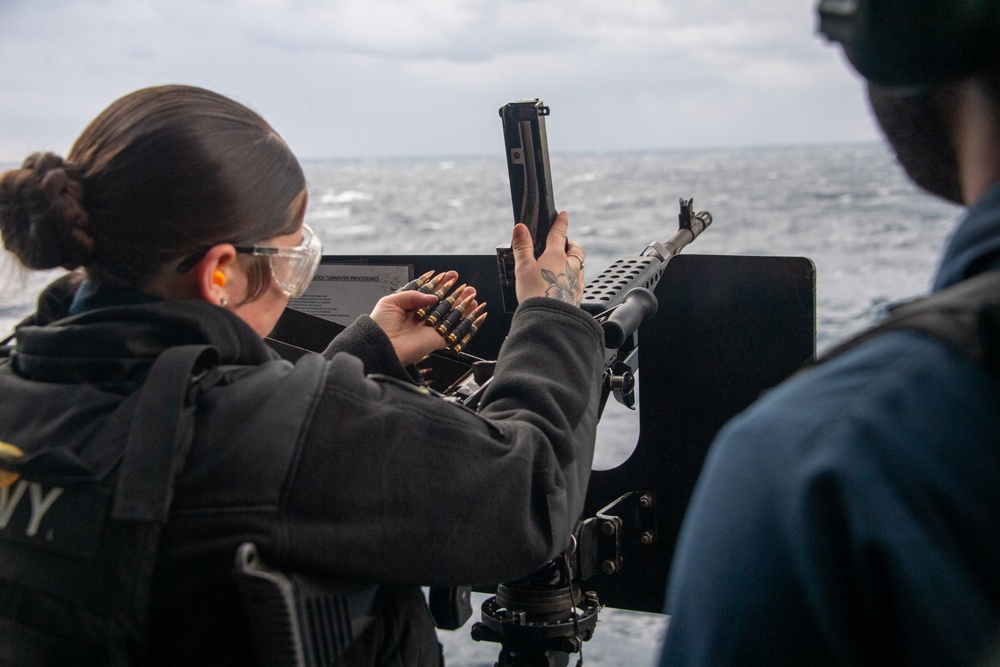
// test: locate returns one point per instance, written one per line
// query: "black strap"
(965, 316)
(160, 435)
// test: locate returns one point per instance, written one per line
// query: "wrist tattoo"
(565, 287)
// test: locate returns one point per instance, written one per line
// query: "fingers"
(558, 232)
(520, 243)
(574, 251)
(557, 239)
(557, 273)
(451, 319)
(410, 299)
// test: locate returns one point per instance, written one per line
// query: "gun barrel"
(692, 225)
(608, 290)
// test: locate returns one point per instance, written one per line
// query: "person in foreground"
(852, 515)
(185, 210)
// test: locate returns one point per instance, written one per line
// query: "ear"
(214, 272)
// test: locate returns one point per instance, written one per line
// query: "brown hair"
(158, 176)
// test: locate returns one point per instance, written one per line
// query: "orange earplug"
(219, 278)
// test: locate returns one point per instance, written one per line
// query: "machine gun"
(725, 328)
(541, 619)
(621, 298)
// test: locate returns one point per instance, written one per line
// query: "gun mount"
(716, 331)
(727, 328)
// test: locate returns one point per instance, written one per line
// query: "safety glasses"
(292, 267)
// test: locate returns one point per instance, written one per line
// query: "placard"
(341, 292)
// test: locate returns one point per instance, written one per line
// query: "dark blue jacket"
(852, 516)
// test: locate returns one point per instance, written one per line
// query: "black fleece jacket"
(336, 464)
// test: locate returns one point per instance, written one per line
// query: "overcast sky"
(366, 78)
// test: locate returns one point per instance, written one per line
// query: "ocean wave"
(345, 197)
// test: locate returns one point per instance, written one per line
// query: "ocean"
(874, 238)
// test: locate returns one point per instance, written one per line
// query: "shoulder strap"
(160, 435)
(965, 316)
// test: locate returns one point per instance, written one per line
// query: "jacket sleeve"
(396, 485)
(365, 340)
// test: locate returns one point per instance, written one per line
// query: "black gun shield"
(728, 328)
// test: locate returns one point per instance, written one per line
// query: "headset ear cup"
(912, 43)
(219, 278)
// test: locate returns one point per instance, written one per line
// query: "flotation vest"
(77, 546)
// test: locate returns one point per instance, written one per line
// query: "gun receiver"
(622, 297)
(527, 151)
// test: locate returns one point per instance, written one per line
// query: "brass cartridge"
(443, 307)
(416, 282)
(460, 345)
(463, 327)
(455, 316)
(439, 293)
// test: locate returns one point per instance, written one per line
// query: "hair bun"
(42, 217)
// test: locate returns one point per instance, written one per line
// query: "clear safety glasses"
(292, 267)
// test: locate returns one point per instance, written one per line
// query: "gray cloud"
(407, 77)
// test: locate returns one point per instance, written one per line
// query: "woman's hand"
(557, 273)
(411, 338)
